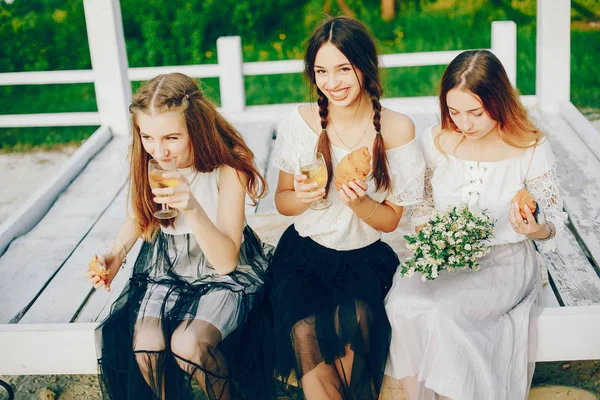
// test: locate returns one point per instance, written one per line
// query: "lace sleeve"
(545, 191)
(407, 167)
(419, 214)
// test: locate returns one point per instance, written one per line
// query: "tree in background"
(388, 10)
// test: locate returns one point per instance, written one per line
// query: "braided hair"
(351, 38)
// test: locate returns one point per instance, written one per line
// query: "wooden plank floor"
(42, 271)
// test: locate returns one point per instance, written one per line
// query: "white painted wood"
(569, 333)
(564, 333)
(50, 119)
(109, 61)
(46, 77)
(582, 126)
(47, 349)
(194, 71)
(547, 297)
(504, 46)
(32, 259)
(258, 137)
(578, 176)
(68, 289)
(231, 78)
(267, 205)
(572, 274)
(34, 209)
(553, 53)
(273, 67)
(418, 59)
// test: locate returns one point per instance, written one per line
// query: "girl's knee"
(148, 336)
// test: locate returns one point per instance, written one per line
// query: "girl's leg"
(409, 384)
(149, 347)
(194, 344)
(352, 368)
(321, 380)
(348, 376)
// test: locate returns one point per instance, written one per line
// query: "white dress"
(470, 335)
(186, 261)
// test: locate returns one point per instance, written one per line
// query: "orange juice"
(316, 172)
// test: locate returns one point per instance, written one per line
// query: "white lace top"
(491, 186)
(338, 227)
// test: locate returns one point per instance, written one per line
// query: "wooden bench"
(48, 312)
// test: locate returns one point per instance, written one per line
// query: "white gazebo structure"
(48, 311)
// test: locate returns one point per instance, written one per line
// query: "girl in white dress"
(196, 276)
(330, 271)
(469, 335)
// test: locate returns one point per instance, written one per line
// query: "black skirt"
(120, 374)
(321, 303)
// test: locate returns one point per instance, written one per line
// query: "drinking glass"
(313, 166)
(155, 175)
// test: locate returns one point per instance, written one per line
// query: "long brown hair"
(481, 73)
(351, 38)
(214, 142)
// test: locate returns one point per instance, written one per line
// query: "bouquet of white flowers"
(454, 238)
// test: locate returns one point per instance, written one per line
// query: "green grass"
(25, 139)
(441, 25)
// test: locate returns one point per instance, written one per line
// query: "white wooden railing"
(111, 74)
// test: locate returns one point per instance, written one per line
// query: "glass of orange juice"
(155, 175)
(313, 166)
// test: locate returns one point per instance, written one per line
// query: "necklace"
(351, 125)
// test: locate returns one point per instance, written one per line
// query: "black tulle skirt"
(321, 304)
(132, 371)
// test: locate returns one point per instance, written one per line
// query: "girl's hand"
(353, 193)
(179, 196)
(112, 264)
(307, 193)
(529, 226)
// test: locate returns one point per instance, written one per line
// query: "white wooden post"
(504, 46)
(231, 76)
(553, 53)
(109, 61)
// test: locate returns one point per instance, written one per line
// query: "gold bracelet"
(124, 261)
(372, 213)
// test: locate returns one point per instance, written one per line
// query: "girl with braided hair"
(197, 273)
(331, 271)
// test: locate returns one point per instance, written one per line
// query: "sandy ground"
(24, 173)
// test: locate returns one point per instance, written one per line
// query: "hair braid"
(323, 145)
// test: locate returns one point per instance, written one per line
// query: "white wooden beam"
(569, 333)
(418, 59)
(193, 71)
(231, 78)
(564, 333)
(553, 53)
(109, 62)
(46, 77)
(50, 119)
(582, 126)
(504, 46)
(34, 209)
(47, 349)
